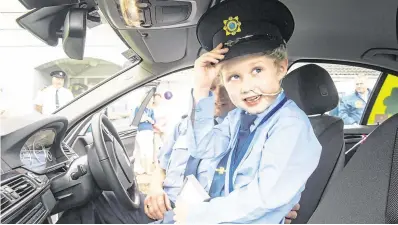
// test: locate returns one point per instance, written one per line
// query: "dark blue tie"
(244, 131)
(241, 147)
(56, 99)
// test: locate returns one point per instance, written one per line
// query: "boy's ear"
(283, 65)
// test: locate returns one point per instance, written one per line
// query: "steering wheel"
(110, 164)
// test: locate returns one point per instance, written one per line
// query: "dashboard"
(41, 175)
(33, 157)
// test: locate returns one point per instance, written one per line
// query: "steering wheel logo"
(49, 156)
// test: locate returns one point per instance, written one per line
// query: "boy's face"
(247, 78)
(222, 102)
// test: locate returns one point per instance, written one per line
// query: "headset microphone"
(272, 94)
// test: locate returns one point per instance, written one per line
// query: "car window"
(171, 101)
(26, 84)
(354, 85)
(121, 112)
(386, 103)
(167, 106)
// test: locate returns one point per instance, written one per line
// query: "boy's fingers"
(219, 46)
(287, 221)
(167, 200)
(148, 213)
(208, 59)
(292, 215)
(221, 51)
(162, 205)
(296, 207)
(146, 201)
(215, 55)
(155, 211)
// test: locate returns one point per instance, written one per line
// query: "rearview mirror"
(74, 33)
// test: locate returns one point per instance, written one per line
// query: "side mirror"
(74, 33)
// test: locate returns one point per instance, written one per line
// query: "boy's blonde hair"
(278, 54)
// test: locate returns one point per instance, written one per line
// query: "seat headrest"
(312, 89)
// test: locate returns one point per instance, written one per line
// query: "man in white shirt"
(55, 96)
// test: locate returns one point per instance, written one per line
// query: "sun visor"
(166, 45)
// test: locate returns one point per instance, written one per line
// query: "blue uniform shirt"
(271, 176)
(173, 158)
(145, 125)
(352, 107)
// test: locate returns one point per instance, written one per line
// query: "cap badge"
(232, 25)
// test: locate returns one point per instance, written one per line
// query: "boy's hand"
(205, 71)
(146, 118)
(292, 215)
(156, 204)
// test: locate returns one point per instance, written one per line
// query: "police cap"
(245, 26)
(58, 73)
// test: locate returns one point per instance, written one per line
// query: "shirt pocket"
(176, 166)
(248, 169)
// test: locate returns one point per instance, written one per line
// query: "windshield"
(37, 78)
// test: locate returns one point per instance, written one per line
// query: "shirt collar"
(219, 119)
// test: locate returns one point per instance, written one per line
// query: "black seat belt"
(392, 194)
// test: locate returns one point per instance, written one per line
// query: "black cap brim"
(58, 74)
(251, 47)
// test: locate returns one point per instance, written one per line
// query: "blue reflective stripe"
(235, 163)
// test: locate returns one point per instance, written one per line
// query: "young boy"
(144, 142)
(270, 144)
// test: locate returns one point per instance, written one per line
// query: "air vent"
(68, 151)
(5, 202)
(15, 190)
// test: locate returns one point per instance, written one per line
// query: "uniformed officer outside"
(268, 140)
(353, 105)
(55, 96)
(166, 181)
